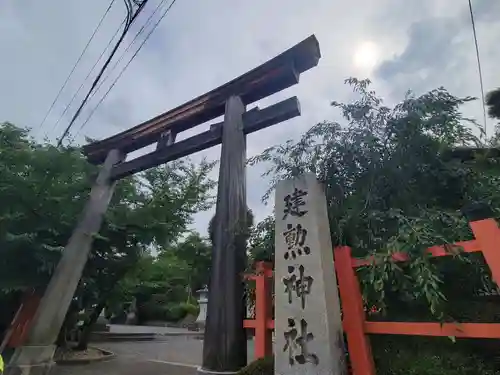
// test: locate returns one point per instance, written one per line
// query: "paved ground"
(124, 366)
(117, 328)
(170, 355)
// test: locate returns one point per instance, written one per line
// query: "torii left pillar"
(35, 356)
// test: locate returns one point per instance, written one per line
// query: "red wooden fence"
(356, 327)
(16, 334)
(263, 324)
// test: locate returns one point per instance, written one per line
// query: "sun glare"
(366, 56)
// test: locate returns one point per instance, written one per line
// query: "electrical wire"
(478, 65)
(126, 66)
(86, 78)
(77, 62)
(146, 24)
(112, 69)
(130, 9)
(130, 21)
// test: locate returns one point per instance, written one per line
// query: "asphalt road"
(168, 355)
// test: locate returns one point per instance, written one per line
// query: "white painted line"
(158, 360)
(172, 363)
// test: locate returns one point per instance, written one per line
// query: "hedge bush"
(409, 356)
(170, 312)
(262, 366)
(190, 309)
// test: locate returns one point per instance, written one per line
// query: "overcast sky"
(201, 44)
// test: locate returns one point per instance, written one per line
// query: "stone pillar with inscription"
(308, 324)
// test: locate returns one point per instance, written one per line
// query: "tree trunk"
(61, 337)
(69, 321)
(87, 326)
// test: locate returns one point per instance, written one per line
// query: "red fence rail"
(356, 327)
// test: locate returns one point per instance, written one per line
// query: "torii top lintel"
(274, 75)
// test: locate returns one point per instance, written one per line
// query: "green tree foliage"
(196, 252)
(168, 281)
(245, 231)
(390, 187)
(31, 228)
(162, 285)
(44, 189)
(261, 241)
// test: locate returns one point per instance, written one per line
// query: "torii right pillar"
(225, 341)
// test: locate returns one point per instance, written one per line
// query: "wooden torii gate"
(225, 339)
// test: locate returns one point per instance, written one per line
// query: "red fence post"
(263, 337)
(22, 320)
(353, 314)
(487, 234)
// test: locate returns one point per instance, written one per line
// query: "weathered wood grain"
(225, 347)
(166, 139)
(253, 121)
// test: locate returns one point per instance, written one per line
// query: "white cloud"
(421, 44)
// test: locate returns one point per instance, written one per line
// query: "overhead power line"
(126, 66)
(86, 78)
(113, 68)
(478, 65)
(77, 62)
(129, 21)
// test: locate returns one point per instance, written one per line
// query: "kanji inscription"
(294, 203)
(295, 238)
(296, 343)
(298, 284)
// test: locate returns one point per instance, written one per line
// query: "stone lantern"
(202, 303)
